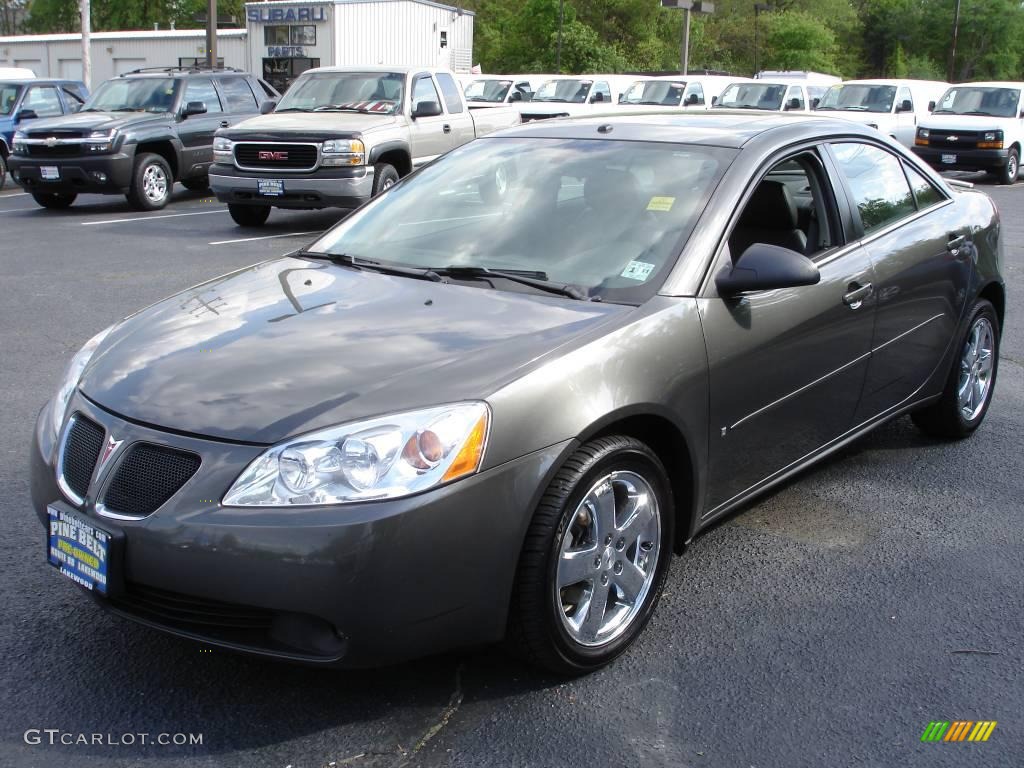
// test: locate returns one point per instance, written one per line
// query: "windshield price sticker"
(639, 270)
(662, 204)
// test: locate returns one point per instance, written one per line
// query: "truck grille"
(60, 150)
(963, 140)
(279, 157)
(82, 445)
(148, 476)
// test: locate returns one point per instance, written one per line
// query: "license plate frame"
(84, 551)
(948, 159)
(270, 187)
(49, 172)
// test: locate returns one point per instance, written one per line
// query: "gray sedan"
(493, 402)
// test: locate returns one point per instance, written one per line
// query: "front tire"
(1008, 175)
(3, 171)
(197, 184)
(152, 181)
(249, 215)
(971, 382)
(54, 200)
(384, 177)
(595, 558)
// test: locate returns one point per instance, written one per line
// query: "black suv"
(136, 135)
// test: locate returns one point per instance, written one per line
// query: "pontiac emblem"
(266, 155)
(108, 451)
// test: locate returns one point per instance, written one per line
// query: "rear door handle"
(954, 242)
(447, 128)
(857, 294)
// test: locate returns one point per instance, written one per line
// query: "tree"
(798, 40)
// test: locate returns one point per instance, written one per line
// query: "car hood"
(93, 121)
(965, 122)
(293, 344)
(307, 124)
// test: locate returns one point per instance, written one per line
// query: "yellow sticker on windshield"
(661, 204)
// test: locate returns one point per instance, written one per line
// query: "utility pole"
(211, 33)
(687, 7)
(685, 57)
(86, 13)
(758, 7)
(561, 19)
(952, 53)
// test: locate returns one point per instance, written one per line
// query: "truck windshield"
(374, 92)
(858, 98)
(8, 97)
(663, 93)
(972, 100)
(141, 94)
(568, 91)
(491, 91)
(752, 96)
(606, 217)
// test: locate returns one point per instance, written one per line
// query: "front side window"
(201, 89)
(602, 93)
(424, 90)
(609, 217)
(694, 94)
(662, 93)
(972, 100)
(904, 95)
(569, 91)
(8, 98)
(373, 92)
(144, 94)
(44, 101)
(880, 189)
(795, 98)
(858, 97)
(450, 89)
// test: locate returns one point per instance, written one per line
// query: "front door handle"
(954, 243)
(857, 294)
(224, 123)
(447, 128)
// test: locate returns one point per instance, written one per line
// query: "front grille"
(60, 150)
(188, 612)
(296, 157)
(146, 477)
(964, 139)
(82, 447)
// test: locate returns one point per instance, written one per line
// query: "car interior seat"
(771, 218)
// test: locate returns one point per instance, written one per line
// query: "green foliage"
(797, 40)
(63, 15)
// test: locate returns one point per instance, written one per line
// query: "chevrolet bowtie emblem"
(952, 138)
(51, 141)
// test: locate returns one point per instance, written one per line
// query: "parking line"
(16, 210)
(264, 237)
(150, 218)
(13, 194)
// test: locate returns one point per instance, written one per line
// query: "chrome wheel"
(386, 184)
(976, 362)
(154, 183)
(608, 557)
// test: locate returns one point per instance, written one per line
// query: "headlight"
(72, 374)
(991, 140)
(923, 133)
(101, 141)
(340, 152)
(222, 150)
(19, 147)
(922, 139)
(382, 458)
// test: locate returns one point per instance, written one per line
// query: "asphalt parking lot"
(825, 625)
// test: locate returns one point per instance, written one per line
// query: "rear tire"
(1010, 171)
(977, 362)
(3, 170)
(384, 177)
(574, 621)
(249, 215)
(54, 200)
(197, 184)
(152, 181)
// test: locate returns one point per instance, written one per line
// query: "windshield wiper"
(128, 109)
(981, 112)
(369, 265)
(338, 108)
(533, 279)
(292, 109)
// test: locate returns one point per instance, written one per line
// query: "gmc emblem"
(265, 155)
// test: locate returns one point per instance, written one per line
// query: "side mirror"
(268, 106)
(905, 106)
(426, 109)
(25, 114)
(622, 98)
(815, 102)
(74, 107)
(931, 106)
(193, 108)
(714, 100)
(691, 99)
(516, 96)
(596, 98)
(794, 103)
(764, 267)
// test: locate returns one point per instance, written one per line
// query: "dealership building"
(281, 40)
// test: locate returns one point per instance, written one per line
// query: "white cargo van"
(679, 92)
(496, 90)
(766, 96)
(892, 106)
(570, 95)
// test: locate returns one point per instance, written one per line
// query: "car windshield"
(8, 97)
(374, 92)
(492, 91)
(858, 98)
(134, 94)
(606, 217)
(569, 91)
(752, 96)
(662, 93)
(997, 102)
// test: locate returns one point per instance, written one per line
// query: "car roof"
(174, 72)
(991, 84)
(723, 128)
(895, 81)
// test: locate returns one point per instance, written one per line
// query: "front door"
(786, 366)
(430, 136)
(196, 131)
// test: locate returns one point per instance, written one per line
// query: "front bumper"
(324, 188)
(966, 159)
(77, 174)
(353, 585)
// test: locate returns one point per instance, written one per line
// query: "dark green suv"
(136, 135)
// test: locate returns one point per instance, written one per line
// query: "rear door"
(238, 99)
(44, 100)
(905, 120)
(922, 269)
(196, 132)
(460, 121)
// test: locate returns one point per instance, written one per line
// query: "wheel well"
(3, 149)
(662, 437)
(399, 159)
(162, 148)
(993, 292)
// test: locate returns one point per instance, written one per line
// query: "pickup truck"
(975, 127)
(342, 135)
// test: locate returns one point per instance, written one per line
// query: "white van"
(497, 90)
(16, 73)
(975, 127)
(570, 95)
(680, 92)
(892, 106)
(815, 83)
(766, 96)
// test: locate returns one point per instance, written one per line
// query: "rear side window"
(880, 190)
(201, 89)
(451, 92)
(238, 94)
(925, 192)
